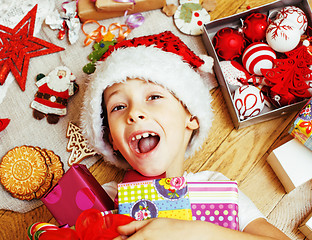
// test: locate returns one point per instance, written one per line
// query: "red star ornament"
(18, 45)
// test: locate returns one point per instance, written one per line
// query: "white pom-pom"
(208, 65)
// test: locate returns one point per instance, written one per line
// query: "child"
(148, 107)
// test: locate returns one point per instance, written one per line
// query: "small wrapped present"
(165, 197)
(215, 202)
(88, 10)
(75, 192)
(302, 126)
(138, 5)
(306, 227)
(292, 164)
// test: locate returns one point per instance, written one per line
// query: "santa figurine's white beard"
(58, 84)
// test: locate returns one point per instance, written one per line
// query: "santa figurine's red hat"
(162, 59)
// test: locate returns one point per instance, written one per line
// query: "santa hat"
(162, 59)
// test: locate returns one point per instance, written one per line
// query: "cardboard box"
(306, 227)
(215, 202)
(164, 197)
(87, 10)
(143, 5)
(292, 163)
(76, 191)
(234, 21)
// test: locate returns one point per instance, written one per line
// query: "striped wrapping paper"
(215, 202)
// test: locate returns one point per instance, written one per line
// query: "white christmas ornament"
(248, 101)
(190, 17)
(282, 35)
(296, 16)
(258, 56)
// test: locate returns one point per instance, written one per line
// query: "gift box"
(306, 227)
(292, 163)
(235, 21)
(75, 192)
(89, 10)
(215, 202)
(302, 126)
(138, 6)
(165, 197)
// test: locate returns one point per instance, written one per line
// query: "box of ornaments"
(263, 60)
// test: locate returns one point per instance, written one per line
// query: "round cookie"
(23, 170)
(56, 166)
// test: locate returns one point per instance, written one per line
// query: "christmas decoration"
(77, 145)
(66, 21)
(248, 101)
(229, 43)
(99, 48)
(254, 27)
(281, 100)
(4, 122)
(18, 45)
(296, 16)
(282, 35)
(190, 17)
(234, 72)
(53, 93)
(258, 56)
(290, 74)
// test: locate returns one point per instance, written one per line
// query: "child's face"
(148, 126)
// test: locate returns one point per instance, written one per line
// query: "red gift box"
(76, 191)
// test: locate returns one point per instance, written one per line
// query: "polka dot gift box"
(215, 202)
(164, 197)
(75, 192)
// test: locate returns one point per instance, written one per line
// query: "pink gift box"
(215, 202)
(76, 191)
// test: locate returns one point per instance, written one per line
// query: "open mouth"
(145, 142)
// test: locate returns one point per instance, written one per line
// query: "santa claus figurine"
(53, 93)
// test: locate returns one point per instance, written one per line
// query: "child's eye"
(118, 108)
(154, 97)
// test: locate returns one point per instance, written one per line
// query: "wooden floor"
(239, 154)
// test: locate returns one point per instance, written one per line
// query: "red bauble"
(229, 43)
(254, 27)
(279, 100)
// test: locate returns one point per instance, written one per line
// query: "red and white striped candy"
(258, 56)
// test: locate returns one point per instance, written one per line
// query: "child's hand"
(157, 228)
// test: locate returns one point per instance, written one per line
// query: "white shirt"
(247, 210)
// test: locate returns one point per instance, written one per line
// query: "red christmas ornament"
(282, 100)
(229, 43)
(254, 27)
(18, 45)
(4, 123)
(291, 74)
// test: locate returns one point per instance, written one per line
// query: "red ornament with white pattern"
(229, 43)
(248, 101)
(258, 56)
(254, 27)
(282, 35)
(296, 16)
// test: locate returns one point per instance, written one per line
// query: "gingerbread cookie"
(23, 170)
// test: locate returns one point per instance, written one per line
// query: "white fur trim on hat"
(151, 64)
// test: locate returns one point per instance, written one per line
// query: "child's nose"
(135, 115)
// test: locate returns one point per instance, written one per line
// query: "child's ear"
(193, 123)
(112, 142)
